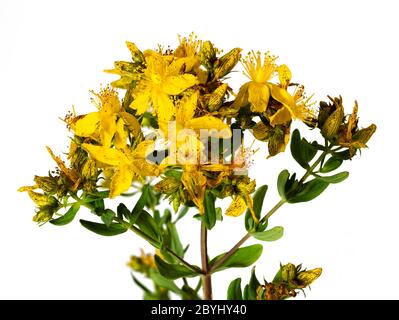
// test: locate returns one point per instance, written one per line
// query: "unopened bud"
(216, 97)
(42, 200)
(43, 216)
(288, 272)
(364, 135)
(227, 62)
(207, 54)
(306, 278)
(137, 55)
(168, 185)
(47, 184)
(89, 169)
(331, 126)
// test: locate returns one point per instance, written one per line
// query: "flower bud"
(331, 126)
(227, 62)
(288, 272)
(207, 54)
(47, 184)
(306, 278)
(89, 169)
(42, 200)
(137, 55)
(43, 216)
(363, 136)
(215, 99)
(167, 186)
(261, 131)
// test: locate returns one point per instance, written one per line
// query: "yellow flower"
(161, 80)
(185, 146)
(128, 164)
(257, 91)
(101, 125)
(297, 106)
(187, 51)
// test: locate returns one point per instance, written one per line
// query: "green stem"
(228, 254)
(206, 277)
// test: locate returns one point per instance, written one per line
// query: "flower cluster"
(178, 132)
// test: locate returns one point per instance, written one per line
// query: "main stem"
(228, 254)
(206, 277)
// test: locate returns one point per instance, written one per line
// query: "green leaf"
(336, 178)
(209, 217)
(258, 199)
(140, 285)
(107, 217)
(173, 174)
(343, 155)
(67, 217)
(164, 282)
(219, 214)
(242, 258)
(234, 290)
(272, 234)
(173, 271)
(139, 206)
(331, 164)
(309, 191)
(148, 225)
(175, 243)
(123, 211)
(101, 229)
(252, 286)
(281, 182)
(299, 149)
(181, 214)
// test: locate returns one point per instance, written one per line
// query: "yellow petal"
(284, 75)
(164, 107)
(216, 127)
(140, 102)
(121, 181)
(186, 109)
(145, 168)
(242, 97)
(108, 128)
(143, 149)
(188, 148)
(237, 207)
(195, 183)
(120, 135)
(175, 85)
(107, 156)
(282, 96)
(86, 126)
(132, 123)
(281, 116)
(258, 96)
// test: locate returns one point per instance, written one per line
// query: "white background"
(53, 52)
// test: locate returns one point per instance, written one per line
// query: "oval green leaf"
(173, 271)
(242, 258)
(331, 164)
(272, 234)
(281, 182)
(336, 178)
(309, 191)
(101, 229)
(67, 217)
